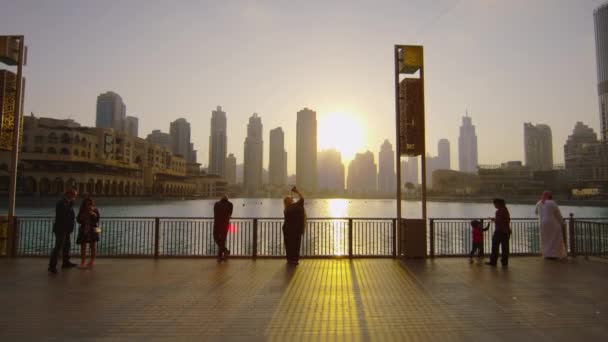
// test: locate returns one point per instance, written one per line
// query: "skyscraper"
(409, 171)
(538, 147)
(277, 160)
(443, 155)
(131, 126)
(111, 111)
(217, 142)
(601, 50)
(467, 146)
(386, 169)
(306, 151)
(180, 140)
(362, 174)
(160, 138)
(254, 156)
(330, 171)
(230, 169)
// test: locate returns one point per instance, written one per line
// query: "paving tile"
(320, 300)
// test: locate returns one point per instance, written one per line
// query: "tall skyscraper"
(254, 156)
(467, 146)
(362, 174)
(230, 169)
(330, 171)
(277, 160)
(111, 111)
(217, 142)
(409, 171)
(131, 126)
(180, 140)
(160, 138)
(538, 147)
(386, 169)
(443, 155)
(306, 151)
(601, 50)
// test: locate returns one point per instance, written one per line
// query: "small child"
(477, 230)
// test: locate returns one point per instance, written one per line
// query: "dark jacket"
(85, 218)
(64, 217)
(295, 217)
(502, 220)
(222, 211)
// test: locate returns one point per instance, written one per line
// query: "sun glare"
(341, 131)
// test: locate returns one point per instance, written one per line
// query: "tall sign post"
(410, 127)
(12, 53)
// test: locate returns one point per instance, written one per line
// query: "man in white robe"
(552, 227)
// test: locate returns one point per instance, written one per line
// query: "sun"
(341, 131)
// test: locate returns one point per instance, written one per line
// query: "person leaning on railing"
(502, 233)
(293, 227)
(63, 228)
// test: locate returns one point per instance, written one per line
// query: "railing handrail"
(309, 218)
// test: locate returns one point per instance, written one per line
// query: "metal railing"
(323, 237)
(452, 237)
(591, 238)
(193, 237)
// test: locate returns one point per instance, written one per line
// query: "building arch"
(65, 138)
(99, 187)
(58, 186)
(64, 151)
(30, 186)
(51, 150)
(52, 138)
(44, 186)
(90, 186)
(75, 153)
(113, 188)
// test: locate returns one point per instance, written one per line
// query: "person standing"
(63, 228)
(502, 233)
(293, 226)
(88, 217)
(552, 227)
(477, 230)
(222, 211)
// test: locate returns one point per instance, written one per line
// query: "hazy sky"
(506, 61)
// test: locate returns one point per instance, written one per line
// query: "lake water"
(271, 207)
(183, 236)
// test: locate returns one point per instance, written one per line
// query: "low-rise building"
(510, 178)
(60, 154)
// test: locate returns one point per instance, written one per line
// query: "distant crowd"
(552, 230)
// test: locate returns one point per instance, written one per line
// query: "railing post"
(572, 235)
(255, 238)
(350, 238)
(482, 238)
(13, 238)
(432, 237)
(394, 238)
(156, 236)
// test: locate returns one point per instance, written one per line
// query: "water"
(270, 207)
(181, 236)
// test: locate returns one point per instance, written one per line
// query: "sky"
(506, 62)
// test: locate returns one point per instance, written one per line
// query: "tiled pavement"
(333, 300)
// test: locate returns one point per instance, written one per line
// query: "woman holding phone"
(293, 226)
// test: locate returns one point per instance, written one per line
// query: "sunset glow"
(342, 131)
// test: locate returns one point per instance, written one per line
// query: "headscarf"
(547, 195)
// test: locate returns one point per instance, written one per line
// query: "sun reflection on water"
(338, 208)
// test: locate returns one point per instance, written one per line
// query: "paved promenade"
(327, 300)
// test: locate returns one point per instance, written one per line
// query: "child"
(477, 229)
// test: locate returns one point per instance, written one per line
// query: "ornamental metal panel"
(411, 117)
(8, 96)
